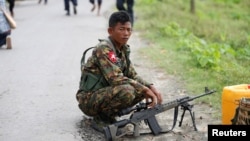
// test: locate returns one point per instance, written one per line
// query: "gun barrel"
(207, 92)
(180, 101)
(172, 104)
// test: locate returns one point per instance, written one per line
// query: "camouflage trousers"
(108, 100)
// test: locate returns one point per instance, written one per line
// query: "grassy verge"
(209, 48)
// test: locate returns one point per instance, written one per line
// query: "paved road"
(40, 75)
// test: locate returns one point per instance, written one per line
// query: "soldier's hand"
(150, 95)
(157, 94)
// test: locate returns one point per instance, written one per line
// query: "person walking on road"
(109, 81)
(45, 1)
(129, 7)
(11, 7)
(5, 30)
(99, 5)
(67, 6)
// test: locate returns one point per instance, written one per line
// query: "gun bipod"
(186, 106)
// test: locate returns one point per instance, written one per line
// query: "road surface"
(40, 75)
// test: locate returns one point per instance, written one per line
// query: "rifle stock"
(142, 112)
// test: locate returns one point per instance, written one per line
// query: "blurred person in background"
(99, 4)
(11, 7)
(45, 1)
(129, 7)
(67, 6)
(5, 29)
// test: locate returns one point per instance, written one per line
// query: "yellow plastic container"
(230, 100)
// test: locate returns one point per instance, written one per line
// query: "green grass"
(218, 32)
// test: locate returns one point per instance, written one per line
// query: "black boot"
(68, 13)
(75, 11)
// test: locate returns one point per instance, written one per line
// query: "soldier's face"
(121, 32)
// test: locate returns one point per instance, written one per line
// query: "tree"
(192, 6)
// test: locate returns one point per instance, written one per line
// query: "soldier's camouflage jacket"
(108, 66)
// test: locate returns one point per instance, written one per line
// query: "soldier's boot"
(101, 121)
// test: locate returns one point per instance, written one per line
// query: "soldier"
(109, 81)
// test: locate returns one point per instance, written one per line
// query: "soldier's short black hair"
(120, 16)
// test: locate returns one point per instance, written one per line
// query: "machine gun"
(142, 112)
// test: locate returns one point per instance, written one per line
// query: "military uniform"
(109, 81)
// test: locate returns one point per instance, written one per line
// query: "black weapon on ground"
(141, 112)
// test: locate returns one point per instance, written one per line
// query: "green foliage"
(209, 48)
(228, 1)
(205, 55)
